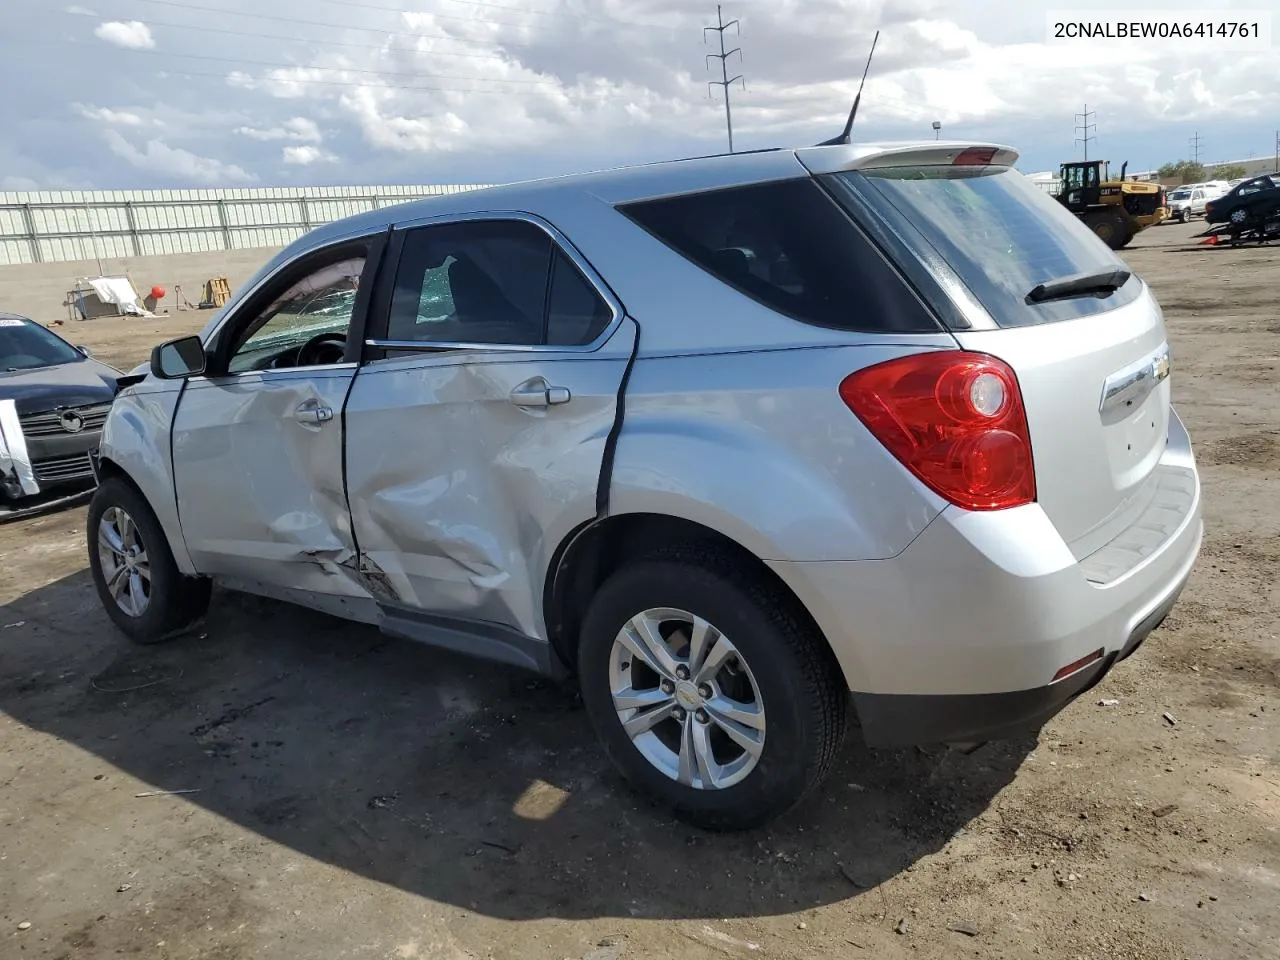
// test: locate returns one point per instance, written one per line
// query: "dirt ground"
(358, 797)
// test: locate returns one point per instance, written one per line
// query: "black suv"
(54, 400)
(1248, 203)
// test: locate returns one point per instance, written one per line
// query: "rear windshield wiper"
(1098, 283)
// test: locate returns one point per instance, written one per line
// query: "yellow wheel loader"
(1116, 210)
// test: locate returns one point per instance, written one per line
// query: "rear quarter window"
(996, 231)
(788, 245)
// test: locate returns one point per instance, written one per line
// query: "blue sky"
(151, 93)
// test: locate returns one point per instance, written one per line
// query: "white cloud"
(298, 129)
(509, 94)
(173, 162)
(122, 118)
(18, 184)
(132, 35)
(81, 11)
(306, 155)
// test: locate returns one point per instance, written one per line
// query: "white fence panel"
(47, 226)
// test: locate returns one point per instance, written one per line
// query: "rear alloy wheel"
(1239, 217)
(709, 690)
(138, 582)
(699, 719)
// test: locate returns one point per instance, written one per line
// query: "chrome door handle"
(313, 412)
(538, 393)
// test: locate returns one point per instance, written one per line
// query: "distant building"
(1252, 166)
(1047, 181)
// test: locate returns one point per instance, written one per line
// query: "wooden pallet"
(216, 292)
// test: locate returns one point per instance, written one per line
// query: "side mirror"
(184, 357)
(85, 351)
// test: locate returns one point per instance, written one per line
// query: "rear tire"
(779, 685)
(138, 582)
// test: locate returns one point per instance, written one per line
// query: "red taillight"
(955, 420)
(974, 157)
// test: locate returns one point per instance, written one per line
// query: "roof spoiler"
(823, 159)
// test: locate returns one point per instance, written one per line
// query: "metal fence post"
(222, 222)
(306, 212)
(30, 222)
(133, 228)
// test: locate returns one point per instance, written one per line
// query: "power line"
(305, 66)
(276, 36)
(337, 83)
(541, 13)
(473, 3)
(358, 4)
(1195, 147)
(723, 57)
(184, 5)
(1086, 127)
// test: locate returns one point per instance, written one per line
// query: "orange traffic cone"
(1209, 241)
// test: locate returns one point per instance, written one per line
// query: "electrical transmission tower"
(1085, 127)
(723, 56)
(1195, 147)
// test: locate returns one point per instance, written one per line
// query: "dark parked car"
(1249, 203)
(54, 399)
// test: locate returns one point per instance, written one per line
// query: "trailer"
(1264, 230)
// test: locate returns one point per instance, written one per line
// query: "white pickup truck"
(1189, 201)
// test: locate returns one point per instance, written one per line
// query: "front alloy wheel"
(126, 569)
(687, 699)
(140, 586)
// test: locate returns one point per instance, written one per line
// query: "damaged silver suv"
(743, 442)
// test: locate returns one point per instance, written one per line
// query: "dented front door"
(477, 425)
(258, 471)
(465, 470)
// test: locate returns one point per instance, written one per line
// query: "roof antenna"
(844, 137)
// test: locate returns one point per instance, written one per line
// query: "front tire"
(709, 691)
(1111, 227)
(138, 582)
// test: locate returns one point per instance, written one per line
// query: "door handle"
(313, 412)
(538, 393)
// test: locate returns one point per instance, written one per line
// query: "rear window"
(787, 245)
(1000, 235)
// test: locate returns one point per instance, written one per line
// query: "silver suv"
(742, 441)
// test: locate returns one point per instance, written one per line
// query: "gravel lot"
(363, 797)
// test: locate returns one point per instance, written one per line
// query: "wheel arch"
(109, 468)
(586, 558)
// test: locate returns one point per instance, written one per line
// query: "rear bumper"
(903, 720)
(959, 637)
